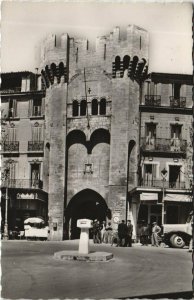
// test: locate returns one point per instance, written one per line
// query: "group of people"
(147, 233)
(102, 233)
(125, 232)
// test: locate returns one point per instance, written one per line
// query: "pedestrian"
(99, 228)
(155, 231)
(128, 241)
(144, 234)
(95, 232)
(115, 238)
(103, 230)
(109, 233)
(122, 233)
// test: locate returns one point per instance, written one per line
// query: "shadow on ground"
(178, 295)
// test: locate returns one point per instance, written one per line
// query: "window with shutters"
(150, 135)
(35, 174)
(149, 174)
(12, 108)
(37, 133)
(176, 130)
(12, 133)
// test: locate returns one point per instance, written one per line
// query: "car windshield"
(189, 219)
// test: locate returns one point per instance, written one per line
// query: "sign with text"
(84, 223)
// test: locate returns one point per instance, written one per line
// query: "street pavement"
(29, 271)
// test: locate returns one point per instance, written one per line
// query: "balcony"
(22, 184)
(159, 184)
(153, 100)
(35, 146)
(163, 145)
(178, 103)
(10, 147)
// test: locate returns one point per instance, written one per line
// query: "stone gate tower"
(92, 125)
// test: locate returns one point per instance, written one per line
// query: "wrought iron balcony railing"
(153, 100)
(11, 146)
(22, 183)
(165, 145)
(35, 146)
(180, 103)
(160, 184)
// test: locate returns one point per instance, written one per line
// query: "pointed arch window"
(103, 106)
(75, 108)
(83, 107)
(94, 107)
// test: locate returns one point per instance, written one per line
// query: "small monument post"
(84, 225)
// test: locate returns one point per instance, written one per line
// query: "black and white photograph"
(96, 150)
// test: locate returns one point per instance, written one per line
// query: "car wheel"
(177, 241)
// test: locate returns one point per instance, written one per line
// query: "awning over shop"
(177, 198)
(148, 196)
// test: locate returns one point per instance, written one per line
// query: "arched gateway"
(85, 204)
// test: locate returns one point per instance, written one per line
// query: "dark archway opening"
(85, 204)
(98, 136)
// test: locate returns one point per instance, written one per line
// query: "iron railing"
(11, 146)
(180, 102)
(153, 100)
(22, 183)
(35, 146)
(165, 145)
(161, 184)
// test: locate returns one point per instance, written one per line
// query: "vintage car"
(178, 235)
(35, 229)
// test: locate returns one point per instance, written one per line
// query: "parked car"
(35, 229)
(178, 235)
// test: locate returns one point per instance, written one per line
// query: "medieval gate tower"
(92, 125)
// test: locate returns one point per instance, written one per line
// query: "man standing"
(129, 234)
(155, 231)
(122, 233)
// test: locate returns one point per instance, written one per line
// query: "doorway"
(87, 204)
(174, 176)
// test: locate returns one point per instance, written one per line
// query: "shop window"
(75, 109)
(172, 214)
(94, 107)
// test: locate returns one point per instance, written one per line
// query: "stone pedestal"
(84, 225)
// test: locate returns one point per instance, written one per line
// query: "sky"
(25, 24)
